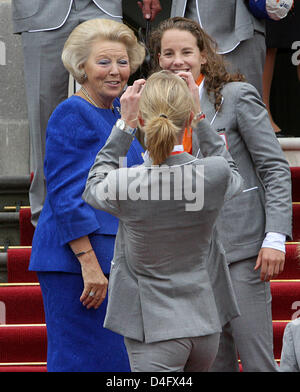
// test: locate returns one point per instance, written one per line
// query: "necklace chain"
(89, 98)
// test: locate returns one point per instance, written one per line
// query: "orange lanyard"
(199, 80)
(187, 137)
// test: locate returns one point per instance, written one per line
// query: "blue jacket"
(76, 132)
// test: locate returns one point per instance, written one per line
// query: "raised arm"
(101, 185)
(206, 141)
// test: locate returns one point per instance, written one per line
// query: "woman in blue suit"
(73, 242)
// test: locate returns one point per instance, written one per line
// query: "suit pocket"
(242, 219)
(22, 9)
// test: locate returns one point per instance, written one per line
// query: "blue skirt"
(77, 341)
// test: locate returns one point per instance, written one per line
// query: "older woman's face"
(107, 69)
(180, 52)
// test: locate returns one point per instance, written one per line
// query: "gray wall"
(14, 135)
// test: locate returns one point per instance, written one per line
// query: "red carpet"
(17, 266)
(23, 343)
(23, 368)
(23, 337)
(24, 304)
(296, 220)
(26, 228)
(295, 174)
(285, 299)
(292, 264)
(278, 329)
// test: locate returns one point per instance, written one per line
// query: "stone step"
(3, 267)
(9, 228)
(14, 183)
(291, 149)
(14, 190)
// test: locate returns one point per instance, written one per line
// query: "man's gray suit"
(160, 286)
(263, 206)
(239, 35)
(45, 25)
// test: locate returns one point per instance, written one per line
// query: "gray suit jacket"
(227, 21)
(290, 355)
(265, 205)
(48, 14)
(159, 285)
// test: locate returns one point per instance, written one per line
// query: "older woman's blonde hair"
(165, 108)
(78, 46)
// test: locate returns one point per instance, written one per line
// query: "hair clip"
(163, 115)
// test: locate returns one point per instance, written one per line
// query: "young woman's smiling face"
(180, 52)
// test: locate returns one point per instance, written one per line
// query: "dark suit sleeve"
(69, 149)
(268, 158)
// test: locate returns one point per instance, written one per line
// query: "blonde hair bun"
(165, 106)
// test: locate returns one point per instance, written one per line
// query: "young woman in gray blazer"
(239, 34)
(161, 297)
(253, 226)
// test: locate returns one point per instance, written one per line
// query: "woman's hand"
(95, 282)
(130, 102)
(193, 87)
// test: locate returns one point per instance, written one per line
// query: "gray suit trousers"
(248, 58)
(176, 355)
(46, 82)
(251, 334)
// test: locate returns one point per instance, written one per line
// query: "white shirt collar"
(178, 147)
(201, 88)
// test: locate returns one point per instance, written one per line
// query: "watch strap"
(126, 128)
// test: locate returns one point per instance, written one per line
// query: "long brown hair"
(216, 75)
(165, 108)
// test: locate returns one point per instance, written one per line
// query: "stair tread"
(23, 343)
(21, 304)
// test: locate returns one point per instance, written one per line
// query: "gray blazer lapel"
(207, 106)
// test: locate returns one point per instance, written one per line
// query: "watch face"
(121, 124)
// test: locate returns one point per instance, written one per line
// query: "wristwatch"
(121, 124)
